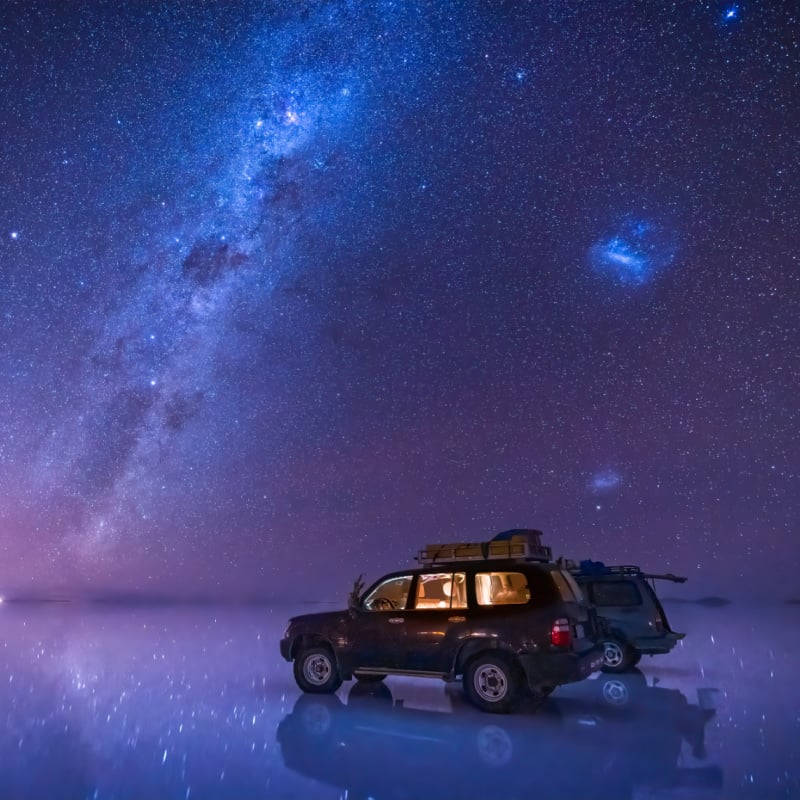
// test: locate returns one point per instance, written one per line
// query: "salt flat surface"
(165, 702)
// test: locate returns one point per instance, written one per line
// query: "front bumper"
(286, 649)
(555, 669)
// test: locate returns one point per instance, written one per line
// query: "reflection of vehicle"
(498, 613)
(626, 600)
(378, 747)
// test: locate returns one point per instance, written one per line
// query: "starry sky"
(290, 289)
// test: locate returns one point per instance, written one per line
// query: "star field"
(293, 285)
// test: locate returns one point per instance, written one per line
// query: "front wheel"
(493, 682)
(315, 670)
(617, 656)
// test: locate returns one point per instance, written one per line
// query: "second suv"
(633, 619)
(504, 625)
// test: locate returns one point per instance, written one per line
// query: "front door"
(378, 628)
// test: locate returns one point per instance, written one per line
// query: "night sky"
(290, 289)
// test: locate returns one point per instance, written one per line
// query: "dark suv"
(499, 614)
(633, 619)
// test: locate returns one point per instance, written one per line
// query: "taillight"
(560, 633)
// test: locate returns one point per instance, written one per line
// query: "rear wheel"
(493, 682)
(315, 670)
(617, 656)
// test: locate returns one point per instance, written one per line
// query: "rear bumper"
(286, 647)
(555, 669)
(653, 645)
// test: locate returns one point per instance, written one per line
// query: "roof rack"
(588, 568)
(518, 544)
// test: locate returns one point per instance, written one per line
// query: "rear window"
(615, 593)
(501, 588)
(567, 586)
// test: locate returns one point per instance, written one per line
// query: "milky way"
(312, 283)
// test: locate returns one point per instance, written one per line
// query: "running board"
(408, 673)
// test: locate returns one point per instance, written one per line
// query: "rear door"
(436, 621)
(620, 601)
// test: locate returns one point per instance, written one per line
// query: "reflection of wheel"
(495, 747)
(493, 682)
(615, 692)
(368, 678)
(316, 713)
(617, 656)
(622, 690)
(370, 693)
(315, 670)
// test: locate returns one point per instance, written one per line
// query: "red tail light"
(560, 633)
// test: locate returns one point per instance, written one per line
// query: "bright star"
(15, 235)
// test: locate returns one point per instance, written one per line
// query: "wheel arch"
(614, 632)
(305, 640)
(479, 644)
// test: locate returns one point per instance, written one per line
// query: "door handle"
(396, 620)
(456, 619)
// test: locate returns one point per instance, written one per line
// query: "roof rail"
(517, 545)
(588, 567)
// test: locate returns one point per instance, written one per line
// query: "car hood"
(320, 619)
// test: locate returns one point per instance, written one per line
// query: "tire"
(369, 678)
(617, 656)
(316, 671)
(493, 683)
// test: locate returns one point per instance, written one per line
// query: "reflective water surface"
(195, 702)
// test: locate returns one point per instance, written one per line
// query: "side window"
(501, 588)
(441, 590)
(615, 593)
(388, 595)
